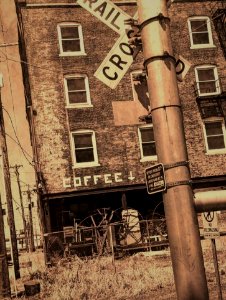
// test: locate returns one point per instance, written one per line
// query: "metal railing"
(111, 239)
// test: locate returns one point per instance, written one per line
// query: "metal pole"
(182, 224)
(8, 192)
(215, 261)
(21, 204)
(4, 272)
(210, 200)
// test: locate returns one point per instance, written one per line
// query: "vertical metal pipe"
(182, 224)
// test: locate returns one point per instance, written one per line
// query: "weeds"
(131, 278)
(138, 277)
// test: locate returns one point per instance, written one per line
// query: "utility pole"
(4, 273)
(182, 223)
(31, 230)
(8, 192)
(16, 168)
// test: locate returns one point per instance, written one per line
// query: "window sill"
(209, 94)
(86, 165)
(79, 106)
(65, 54)
(216, 152)
(150, 158)
(209, 46)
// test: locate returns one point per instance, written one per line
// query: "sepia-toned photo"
(113, 149)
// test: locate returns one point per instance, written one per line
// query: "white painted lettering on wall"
(90, 180)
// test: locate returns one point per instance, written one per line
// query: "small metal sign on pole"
(210, 226)
(155, 179)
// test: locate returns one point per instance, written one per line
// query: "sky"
(16, 125)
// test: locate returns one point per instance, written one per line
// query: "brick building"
(92, 143)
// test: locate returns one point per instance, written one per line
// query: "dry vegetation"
(135, 277)
(139, 277)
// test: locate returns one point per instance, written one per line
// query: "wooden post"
(215, 261)
(21, 204)
(4, 272)
(8, 192)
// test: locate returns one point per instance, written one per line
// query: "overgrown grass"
(135, 277)
(143, 276)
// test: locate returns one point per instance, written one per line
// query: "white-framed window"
(215, 135)
(207, 80)
(77, 90)
(200, 32)
(70, 39)
(84, 149)
(147, 143)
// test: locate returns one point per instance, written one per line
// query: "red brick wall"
(118, 146)
(201, 164)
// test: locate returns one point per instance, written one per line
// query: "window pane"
(76, 84)
(206, 74)
(77, 97)
(69, 32)
(149, 149)
(83, 140)
(84, 155)
(147, 135)
(71, 45)
(198, 25)
(213, 128)
(207, 87)
(200, 38)
(215, 142)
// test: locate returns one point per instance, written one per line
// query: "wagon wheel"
(99, 219)
(158, 224)
(129, 232)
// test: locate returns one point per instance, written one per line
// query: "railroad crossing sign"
(107, 12)
(210, 225)
(155, 179)
(116, 63)
(120, 57)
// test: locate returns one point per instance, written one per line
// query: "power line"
(18, 141)
(19, 145)
(22, 149)
(9, 77)
(17, 173)
(25, 62)
(8, 194)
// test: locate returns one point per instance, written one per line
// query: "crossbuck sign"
(107, 12)
(120, 57)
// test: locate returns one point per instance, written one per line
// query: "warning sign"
(155, 179)
(210, 225)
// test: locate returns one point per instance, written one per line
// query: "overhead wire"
(17, 141)
(18, 144)
(8, 71)
(40, 67)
